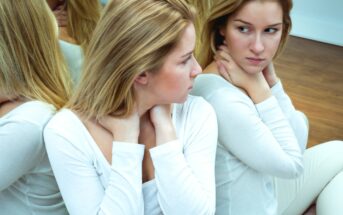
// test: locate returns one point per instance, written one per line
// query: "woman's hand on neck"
(161, 117)
(254, 84)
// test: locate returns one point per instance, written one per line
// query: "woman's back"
(28, 185)
(33, 84)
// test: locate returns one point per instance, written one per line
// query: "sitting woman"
(131, 120)
(76, 20)
(33, 84)
(260, 165)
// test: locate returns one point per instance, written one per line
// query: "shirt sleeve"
(80, 184)
(296, 118)
(184, 169)
(21, 149)
(258, 135)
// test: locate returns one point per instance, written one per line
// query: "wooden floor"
(312, 74)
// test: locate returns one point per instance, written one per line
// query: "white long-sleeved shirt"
(184, 168)
(255, 143)
(73, 56)
(27, 184)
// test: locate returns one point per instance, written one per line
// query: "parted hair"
(220, 12)
(83, 16)
(132, 37)
(31, 63)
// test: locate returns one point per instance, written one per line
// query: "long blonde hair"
(218, 16)
(31, 64)
(83, 16)
(131, 37)
(203, 8)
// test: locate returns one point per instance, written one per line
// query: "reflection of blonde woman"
(120, 146)
(77, 20)
(33, 83)
(262, 166)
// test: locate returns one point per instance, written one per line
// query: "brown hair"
(218, 17)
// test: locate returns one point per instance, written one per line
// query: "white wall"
(318, 20)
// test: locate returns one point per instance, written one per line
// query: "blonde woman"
(77, 20)
(33, 84)
(131, 140)
(260, 165)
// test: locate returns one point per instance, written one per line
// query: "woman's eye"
(243, 29)
(186, 60)
(271, 30)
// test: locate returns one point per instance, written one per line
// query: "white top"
(27, 184)
(73, 54)
(184, 168)
(255, 143)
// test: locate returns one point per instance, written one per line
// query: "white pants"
(322, 181)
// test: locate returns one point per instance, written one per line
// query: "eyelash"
(245, 29)
(271, 30)
(186, 60)
(242, 28)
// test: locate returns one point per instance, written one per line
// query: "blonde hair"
(203, 8)
(83, 16)
(31, 64)
(131, 37)
(220, 13)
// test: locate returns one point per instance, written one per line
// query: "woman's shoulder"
(25, 123)
(216, 90)
(67, 46)
(209, 84)
(195, 107)
(195, 102)
(34, 112)
(66, 128)
(64, 120)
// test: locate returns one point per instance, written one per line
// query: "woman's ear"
(142, 78)
(222, 31)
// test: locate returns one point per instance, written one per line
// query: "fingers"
(223, 53)
(122, 129)
(223, 71)
(160, 115)
(224, 62)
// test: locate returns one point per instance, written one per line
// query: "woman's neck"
(63, 35)
(9, 103)
(3, 100)
(211, 68)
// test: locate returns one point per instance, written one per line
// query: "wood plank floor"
(312, 75)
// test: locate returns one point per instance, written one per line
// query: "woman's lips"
(255, 61)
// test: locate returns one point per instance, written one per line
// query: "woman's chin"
(252, 69)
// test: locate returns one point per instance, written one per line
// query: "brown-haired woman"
(260, 166)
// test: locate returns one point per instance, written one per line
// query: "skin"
(252, 37)
(151, 123)
(58, 7)
(9, 103)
